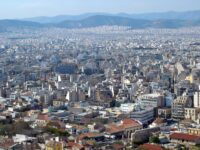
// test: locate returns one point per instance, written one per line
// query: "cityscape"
(100, 82)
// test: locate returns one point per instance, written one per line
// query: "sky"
(15, 9)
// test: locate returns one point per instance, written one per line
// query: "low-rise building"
(127, 107)
(9, 144)
(143, 115)
(76, 129)
(148, 146)
(186, 139)
(41, 120)
(192, 113)
(125, 128)
(158, 123)
(54, 145)
(194, 131)
(164, 112)
(60, 103)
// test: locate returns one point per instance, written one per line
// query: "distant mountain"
(61, 18)
(172, 15)
(102, 20)
(5, 24)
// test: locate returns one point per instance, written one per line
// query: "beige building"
(185, 139)
(75, 95)
(192, 113)
(179, 105)
(194, 131)
(179, 67)
(125, 128)
(59, 103)
(197, 99)
(164, 112)
(54, 145)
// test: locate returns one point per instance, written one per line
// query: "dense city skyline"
(10, 9)
(102, 80)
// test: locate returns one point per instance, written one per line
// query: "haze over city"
(99, 74)
(12, 9)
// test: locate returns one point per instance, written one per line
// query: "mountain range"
(136, 21)
(171, 15)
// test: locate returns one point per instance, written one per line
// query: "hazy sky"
(30, 8)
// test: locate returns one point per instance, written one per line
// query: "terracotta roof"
(117, 146)
(128, 123)
(151, 147)
(72, 144)
(90, 135)
(6, 143)
(112, 128)
(43, 117)
(159, 121)
(89, 143)
(183, 136)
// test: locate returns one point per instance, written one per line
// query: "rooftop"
(151, 147)
(183, 136)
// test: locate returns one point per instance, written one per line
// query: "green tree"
(2, 129)
(6, 129)
(56, 131)
(154, 139)
(20, 127)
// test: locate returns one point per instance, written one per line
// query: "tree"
(154, 139)
(182, 147)
(6, 129)
(57, 132)
(2, 130)
(20, 126)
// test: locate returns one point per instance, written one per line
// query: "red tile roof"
(6, 143)
(151, 147)
(112, 128)
(128, 123)
(183, 136)
(118, 146)
(43, 117)
(73, 145)
(90, 135)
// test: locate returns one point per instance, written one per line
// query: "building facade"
(179, 105)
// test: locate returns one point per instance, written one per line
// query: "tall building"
(197, 99)
(75, 95)
(179, 105)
